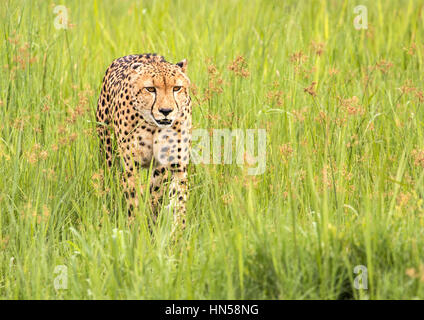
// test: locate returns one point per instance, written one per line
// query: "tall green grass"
(343, 184)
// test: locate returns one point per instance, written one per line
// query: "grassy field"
(343, 185)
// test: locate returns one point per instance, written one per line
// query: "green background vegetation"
(343, 186)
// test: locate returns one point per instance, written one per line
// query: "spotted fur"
(145, 102)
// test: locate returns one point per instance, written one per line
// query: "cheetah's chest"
(171, 145)
(165, 146)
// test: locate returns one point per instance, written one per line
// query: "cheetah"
(145, 104)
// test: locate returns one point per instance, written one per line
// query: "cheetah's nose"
(165, 112)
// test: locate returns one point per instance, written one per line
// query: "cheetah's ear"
(135, 66)
(183, 65)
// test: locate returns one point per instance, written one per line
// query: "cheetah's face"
(161, 91)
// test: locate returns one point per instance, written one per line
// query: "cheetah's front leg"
(157, 186)
(178, 192)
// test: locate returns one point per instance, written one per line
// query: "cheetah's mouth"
(164, 122)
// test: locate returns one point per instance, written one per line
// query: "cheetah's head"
(160, 91)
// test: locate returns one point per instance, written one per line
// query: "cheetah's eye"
(176, 89)
(151, 89)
